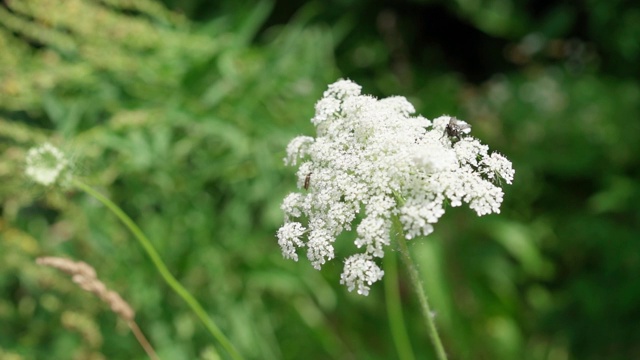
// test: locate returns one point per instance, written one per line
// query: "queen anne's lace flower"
(372, 156)
(46, 164)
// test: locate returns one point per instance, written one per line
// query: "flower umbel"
(372, 156)
(46, 164)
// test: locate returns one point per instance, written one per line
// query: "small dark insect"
(455, 129)
(307, 180)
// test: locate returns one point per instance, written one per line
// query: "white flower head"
(46, 165)
(372, 157)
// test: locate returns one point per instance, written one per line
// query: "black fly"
(455, 129)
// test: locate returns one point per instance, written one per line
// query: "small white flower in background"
(46, 164)
(372, 156)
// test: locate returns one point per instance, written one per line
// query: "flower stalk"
(394, 309)
(173, 283)
(416, 283)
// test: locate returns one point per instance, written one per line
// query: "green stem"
(417, 285)
(394, 308)
(163, 270)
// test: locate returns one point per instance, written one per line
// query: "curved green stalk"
(394, 308)
(163, 270)
(417, 285)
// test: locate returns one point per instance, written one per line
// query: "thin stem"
(417, 285)
(394, 308)
(142, 340)
(163, 270)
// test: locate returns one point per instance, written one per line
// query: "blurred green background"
(180, 112)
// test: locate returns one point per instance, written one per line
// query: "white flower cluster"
(46, 164)
(372, 157)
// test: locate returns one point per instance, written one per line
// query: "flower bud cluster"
(47, 165)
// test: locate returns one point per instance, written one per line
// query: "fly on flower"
(307, 180)
(455, 129)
